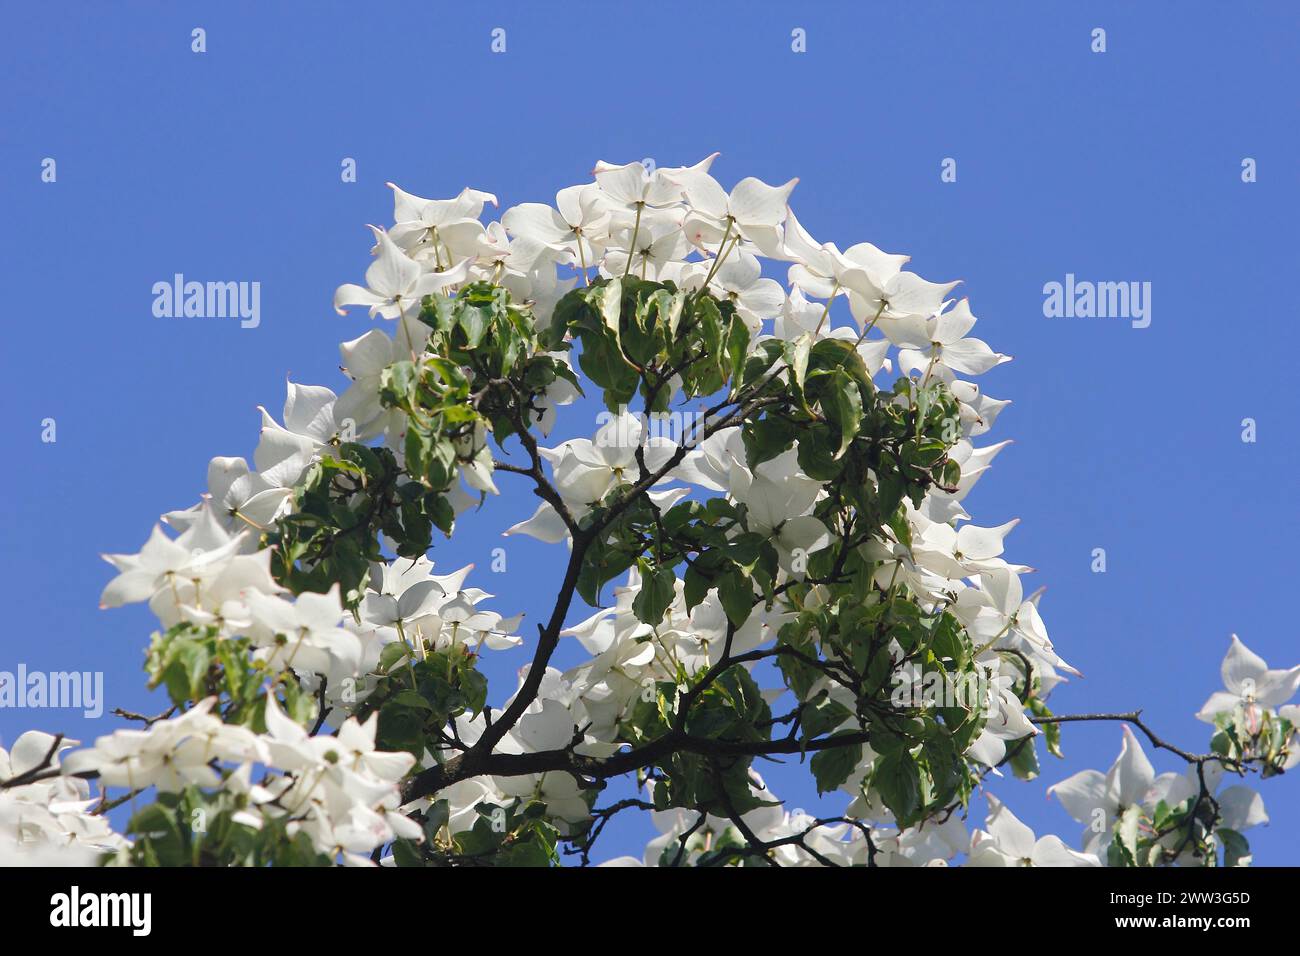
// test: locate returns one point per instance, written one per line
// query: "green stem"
(631, 246)
(827, 311)
(722, 254)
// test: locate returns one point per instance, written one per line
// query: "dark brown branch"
(41, 771)
(1135, 718)
(147, 721)
(600, 768)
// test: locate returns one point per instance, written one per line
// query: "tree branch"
(41, 771)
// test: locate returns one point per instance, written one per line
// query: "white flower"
(240, 498)
(387, 610)
(739, 280)
(631, 186)
(198, 554)
(938, 344)
(169, 754)
(1008, 842)
(438, 230)
(568, 230)
(779, 501)
(823, 271)
(364, 361)
(396, 283)
(752, 210)
(1097, 800)
(304, 633)
(660, 248)
(586, 470)
(1249, 683)
(311, 428)
(904, 295)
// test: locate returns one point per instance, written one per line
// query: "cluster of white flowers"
(794, 838)
(675, 224)
(213, 573)
(52, 820)
(681, 225)
(337, 789)
(1100, 800)
(1095, 799)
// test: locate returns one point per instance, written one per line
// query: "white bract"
(1249, 683)
(1008, 842)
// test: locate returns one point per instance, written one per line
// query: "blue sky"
(1116, 166)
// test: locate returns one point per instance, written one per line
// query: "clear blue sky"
(1117, 166)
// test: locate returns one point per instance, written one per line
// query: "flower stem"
(827, 311)
(631, 246)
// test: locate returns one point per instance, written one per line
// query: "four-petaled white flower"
(1249, 684)
(1008, 842)
(395, 283)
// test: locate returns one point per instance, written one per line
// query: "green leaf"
(609, 303)
(796, 356)
(737, 596)
(696, 587)
(1126, 834)
(406, 854)
(1236, 848)
(401, 728)
(160, 838)
(832, 765)
(822, 717)
(843, 407)
(1024, 763)
(658, 588)
(392, 654)
(897, 778)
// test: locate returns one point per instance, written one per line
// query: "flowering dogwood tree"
(793, 573)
